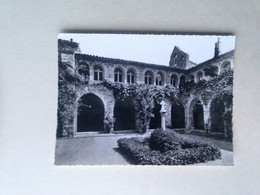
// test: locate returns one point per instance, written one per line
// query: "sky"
(154, 49)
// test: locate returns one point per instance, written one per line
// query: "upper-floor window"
(159, 79)
(98, 73)
(174, 79)
(84, 70)
(225, 67)
(182, 80)
(199, 76)
(191, 78)
(130, 77)
(148, 78)
(118, 75)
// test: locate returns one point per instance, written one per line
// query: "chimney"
(216, 54)
(71, 40)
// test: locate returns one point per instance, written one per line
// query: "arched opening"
(159, 79)
(98, 73)
(118, 75)
(174, 79)
(90, 114)
(191, 78)
(225, 67)
(155, 121)
(178, 115)
(148, 78)
(182, 80)
(199, 76)
(130, 77)
(198, 117)
(217, 109)
(83, 70)
(124, 114)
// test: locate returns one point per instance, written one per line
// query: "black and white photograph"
(145, 99)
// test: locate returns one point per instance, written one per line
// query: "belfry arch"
(124, 114)
(90, 114)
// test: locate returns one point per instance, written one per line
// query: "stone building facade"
(96, 103)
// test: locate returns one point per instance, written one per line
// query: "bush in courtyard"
(167, 148)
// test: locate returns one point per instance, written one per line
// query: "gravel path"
(104, 151)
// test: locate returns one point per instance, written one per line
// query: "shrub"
(167, 148)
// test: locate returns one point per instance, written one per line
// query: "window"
(191, 78)
(118, 75)
(199, 76)
(98, 73)
(84, 70)
(148, 78)
(158, 80)
(130, 77)
(174, 80)
(182, 80)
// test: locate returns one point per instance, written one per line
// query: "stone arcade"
(97, 102)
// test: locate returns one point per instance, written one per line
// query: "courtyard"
(102, 149)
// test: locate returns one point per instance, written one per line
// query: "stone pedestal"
(163, 113)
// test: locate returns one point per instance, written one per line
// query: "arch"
(191, 78)
(174, 79)
(90, 115)
(131, 76)
(118, 75)
(98, 73)
(148, 78)
(182, 80)
(217, 109)
(225, 66)
(196, 114)
(159, 79)
(199, 76)
(83, 69)
(177, 115)
(124, 114)
(155, 121)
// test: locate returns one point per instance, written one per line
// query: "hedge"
(160, 149)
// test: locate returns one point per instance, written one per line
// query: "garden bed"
(167, 148)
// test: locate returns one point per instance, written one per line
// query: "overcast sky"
(155, 49)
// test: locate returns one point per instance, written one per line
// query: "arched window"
(174, 79)
(84, 70)
(130, 77)
(225, 67)
(199, 76)
(98, 73)
(148, 78)
(191, 78)
(182, 80)
(159, 79)
(118, 75)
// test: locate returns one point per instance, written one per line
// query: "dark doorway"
(178, 115)
(90, 114)
(124, 113)
(216, 113)
(198, 117)
(155, 121)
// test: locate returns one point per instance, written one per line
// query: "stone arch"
(182, 80)
(199, 76)
(225, 66)
(90, 113)
(177, 115)
(191, 78)
(119, 75)
(155, 121)
(159, 79)
(174, 80)
(196, 114)
(217, 109)
(148, 77)
(124, 114)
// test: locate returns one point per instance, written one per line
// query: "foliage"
(186, 152)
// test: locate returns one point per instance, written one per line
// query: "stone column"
(163, 113)
(206, 116)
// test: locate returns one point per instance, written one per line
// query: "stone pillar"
(163, 113)
(206, 115)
